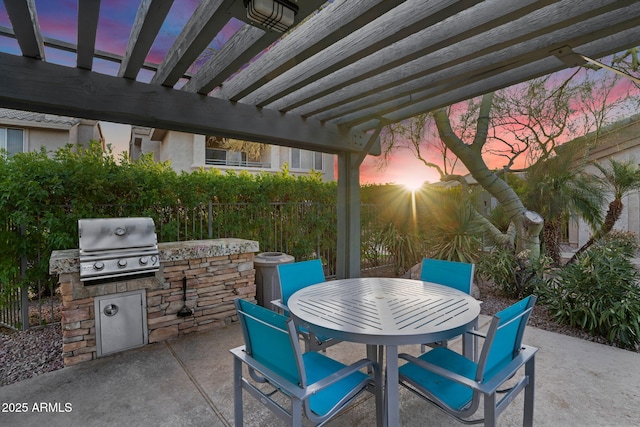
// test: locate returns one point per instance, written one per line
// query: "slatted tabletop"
(384, 311)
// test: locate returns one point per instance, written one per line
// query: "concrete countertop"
(68, 260)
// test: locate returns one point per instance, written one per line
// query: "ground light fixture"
(277, 15)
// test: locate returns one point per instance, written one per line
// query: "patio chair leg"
(296, 412)
(529, 390)
(470, 344)
(379, 397)
(375, 353)
(490, 410)
(237, 393)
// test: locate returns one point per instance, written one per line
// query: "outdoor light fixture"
(276, 15)
(573, 59)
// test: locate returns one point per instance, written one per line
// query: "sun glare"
(413, 185)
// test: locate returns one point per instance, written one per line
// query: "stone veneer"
(217, 272)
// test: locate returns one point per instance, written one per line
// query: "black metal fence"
(303, 230)
(24, 306)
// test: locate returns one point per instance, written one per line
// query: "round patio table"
(385, 312)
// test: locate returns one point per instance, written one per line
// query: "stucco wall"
(51, 139)
(84, 132)
(186, 152)
(178, 148)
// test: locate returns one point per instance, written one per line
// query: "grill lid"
(104, 234)
(115, 247)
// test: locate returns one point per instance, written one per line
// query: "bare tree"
(510, 130)
(524, 232)
(415, 135)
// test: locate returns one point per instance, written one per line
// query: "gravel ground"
(38, 350)
(29, 353)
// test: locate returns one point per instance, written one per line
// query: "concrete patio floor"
(187, 382)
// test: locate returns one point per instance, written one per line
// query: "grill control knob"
(99, 265)
(144, 260)
(122, 263)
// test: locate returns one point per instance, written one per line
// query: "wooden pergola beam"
(88, 14)
(33, 85)
(24, 20)
(149, 18)
(300, 45)
(408, 18)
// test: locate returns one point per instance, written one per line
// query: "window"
(295, 158)
(215, 156)
(317, 161)
(236, 158)
(12, 140)
(303, 159)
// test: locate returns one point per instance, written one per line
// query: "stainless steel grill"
(117, 247)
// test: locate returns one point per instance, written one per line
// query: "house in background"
(621, 142)
(22, 131)
(188, 152)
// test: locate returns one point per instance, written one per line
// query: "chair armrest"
(526, 354)
(440, 371)
(339, 375)
(272, 377)
(278, 303)
(294, 389)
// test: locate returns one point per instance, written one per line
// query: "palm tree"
(558, 192)
(619, 178)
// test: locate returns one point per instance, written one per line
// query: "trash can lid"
(273, 258)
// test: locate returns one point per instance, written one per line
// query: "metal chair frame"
(340, 383)
(293, 277)
(444, 368)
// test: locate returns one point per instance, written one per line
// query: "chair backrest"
(457, 275)
(298, 275)
(268, 339)
(504, 338)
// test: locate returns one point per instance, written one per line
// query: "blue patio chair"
(316, 384)
(294, 277)
(455, 384)
(456, 275)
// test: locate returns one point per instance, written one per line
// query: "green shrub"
(599, 293)
(402, 245)
(453, 232)
(514, 276)
(42, 196)
(625, 241)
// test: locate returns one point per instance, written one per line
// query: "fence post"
(210, 220)
(24, 289)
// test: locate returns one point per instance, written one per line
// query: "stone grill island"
(111, 316)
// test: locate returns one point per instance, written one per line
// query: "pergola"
(344, 70)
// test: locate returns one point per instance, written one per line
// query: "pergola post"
(348, 245)
(349, 226)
